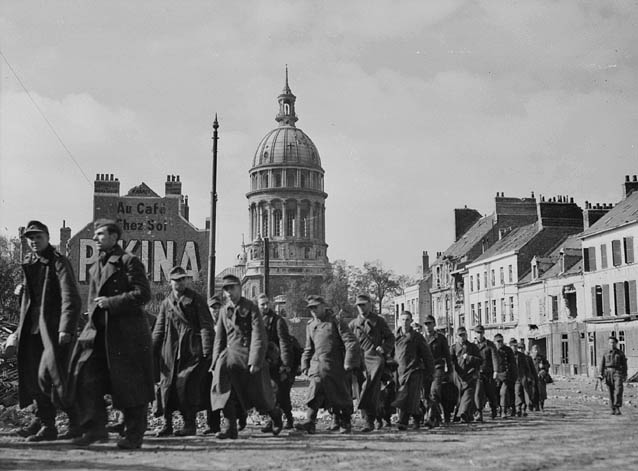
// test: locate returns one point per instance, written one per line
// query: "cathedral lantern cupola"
(286, 115)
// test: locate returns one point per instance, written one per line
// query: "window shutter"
(619, 298)
(629, 249)
(633, 302)
(586, 258)
(594, 311)
(616, 256)
(603, 256)
(606, 310)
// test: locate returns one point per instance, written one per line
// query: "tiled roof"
(471, 237)
(624, 212)
(516, 239)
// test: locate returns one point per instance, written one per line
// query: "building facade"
(416, 298)
(286, 205)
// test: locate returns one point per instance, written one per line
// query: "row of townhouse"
(547, 272)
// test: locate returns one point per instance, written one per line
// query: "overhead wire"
(37, 107)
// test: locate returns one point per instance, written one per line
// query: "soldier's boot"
(213, 419)
(135, 423)
(379, 422)
(243, 417)
(519, 411)
(542, 406)
(512, 411)
(524, 410)
(290, 421)
(618, 411)
(268, 427)
(494, 413)
(276, 416)
(336, 422)
(190, 425)
(74, 430)
(346, 424)
(167, 429)
(403, 420)
(369, 422)
(46, 433)
(309, 425)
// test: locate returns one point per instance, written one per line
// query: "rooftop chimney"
(629, 186)
(106, 184)
(426, 262)
(172, 187)
(464, 218)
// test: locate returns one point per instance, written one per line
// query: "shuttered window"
(619, 298)
(628, 242)
(631, 297)
(606, 307)
(603, 256)
(589, 257)
(616, 255)
(586, 258)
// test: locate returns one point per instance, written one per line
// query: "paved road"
(575, 432)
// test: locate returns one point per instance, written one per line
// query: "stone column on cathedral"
(260, 222)
(270, 220)
(284, 218)
(298, 220)
(323, 223)
(311, 217)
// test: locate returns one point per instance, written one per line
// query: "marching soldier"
(505, 376)
(541, 365)
(182, 338)
(442, 367)
(213, 418)
(485, 387)
(415, 364)
(113, 353)
(240, 374)
(522, 376)
(613, 369)
(377, 343)
(331, 352)
(279, 357)
(466, 359)
(48, 321)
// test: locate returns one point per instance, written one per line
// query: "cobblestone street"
(575, 432)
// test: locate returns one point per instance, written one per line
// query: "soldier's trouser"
(434, 387)
(614, 381)
(283, 395)
(467, 390)
(519, 393)
(93, 385)
(45, 410)
(214, 419)
(485, 392)
(135, 421)
(503, 389)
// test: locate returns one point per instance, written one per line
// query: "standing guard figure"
(613, 369)
(377, 343)
(240, 373)
(48, 321)
(182, 339)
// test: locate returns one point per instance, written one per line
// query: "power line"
(55, 133)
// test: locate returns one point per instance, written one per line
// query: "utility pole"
(213, 215)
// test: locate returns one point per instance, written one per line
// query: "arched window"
(264, 224)
(276, 223)
(286, 108)
(291, 215)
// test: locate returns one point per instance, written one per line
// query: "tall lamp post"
(213, 215)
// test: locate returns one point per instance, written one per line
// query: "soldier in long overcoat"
(541, 365)
(613, 369)
(182, 338)
(442, 370)
(414, 364)
(466, 360)
(505, 376)
(523, 377)
(280, 359)
(377, 342)
(48, 321)
(240, 373)
(331, 352)
(113, 353)
(486, 386)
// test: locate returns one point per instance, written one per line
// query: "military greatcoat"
(126, 333)
(241, 341)
(372, 332)
(182, 338)
(50, 304)
(331, 350)
(466, 359)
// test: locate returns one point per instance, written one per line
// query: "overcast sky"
(416, 108)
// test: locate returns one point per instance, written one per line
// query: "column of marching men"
(228, 356)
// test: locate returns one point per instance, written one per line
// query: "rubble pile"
(8, 369)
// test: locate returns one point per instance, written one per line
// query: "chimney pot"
(532, 193)
(168, 178)
(97, 176)
(635, 178)
(626, 178)
(177, 177)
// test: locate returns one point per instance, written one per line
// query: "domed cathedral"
(286, 205)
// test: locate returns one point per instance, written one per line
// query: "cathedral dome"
(287, 145)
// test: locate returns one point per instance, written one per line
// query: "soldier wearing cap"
(415, 364)
(486, 387)
(505, 376)
(522, 376)
(113, 354)
(541, 366)
(613, 369)
(331, 352)
(213, 418)
(467, 360)
(240, 373)
(182, 339)
(48, 321)
(442, 367)
(377, 344)
(279, 357)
